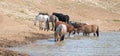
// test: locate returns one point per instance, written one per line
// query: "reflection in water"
(60, 43)
(108, 44)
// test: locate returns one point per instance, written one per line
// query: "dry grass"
(16, 16)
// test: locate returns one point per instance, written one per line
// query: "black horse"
(61, 17)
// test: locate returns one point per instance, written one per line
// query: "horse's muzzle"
(34, 24)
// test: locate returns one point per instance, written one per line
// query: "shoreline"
(13, 43)
(5, 43)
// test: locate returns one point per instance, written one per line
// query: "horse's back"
(70, 27)
(94, 28)
(61, 29)
(90, 28)
(64, 28)
(43, 18)
(52, 18)
(59, 22)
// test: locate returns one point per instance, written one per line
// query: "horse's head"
(34, 24)
(79, 27)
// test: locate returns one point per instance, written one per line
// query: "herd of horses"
(62, 25)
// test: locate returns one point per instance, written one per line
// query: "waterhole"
(107, 44)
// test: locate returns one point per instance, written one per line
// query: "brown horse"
(60, 32)
(70, 27)
(87, 29)
(80, 27)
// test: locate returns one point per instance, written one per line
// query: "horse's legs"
(52, 26)
(42, 25)
(55, 39)
(62, 38)
(45, 26)
(55, 28)
(74, 32)
(88, 34)
(94, 34)
(84, 34)
(69, 34)
(39, 25)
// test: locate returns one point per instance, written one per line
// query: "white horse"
(42, 19)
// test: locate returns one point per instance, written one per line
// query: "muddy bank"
(6, 43)
(4, 52)
(27, 40)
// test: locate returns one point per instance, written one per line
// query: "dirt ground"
(16, 20)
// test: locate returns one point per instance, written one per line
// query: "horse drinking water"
(60, 32)
(70, 27)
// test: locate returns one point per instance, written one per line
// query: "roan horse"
(87, 29)
(60, 32)
(70, 27)
(42, 18)
(53, 19)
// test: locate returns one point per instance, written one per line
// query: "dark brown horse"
(87, 29)
(70, 27)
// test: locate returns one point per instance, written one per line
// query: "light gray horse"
(42, 18)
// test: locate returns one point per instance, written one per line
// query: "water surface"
(107, 44)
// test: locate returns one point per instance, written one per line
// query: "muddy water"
(108, 44)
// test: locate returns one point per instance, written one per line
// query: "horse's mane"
(43, 13)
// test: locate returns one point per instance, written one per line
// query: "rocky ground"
(16, 18)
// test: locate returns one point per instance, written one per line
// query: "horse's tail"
(47, 22)
(34, 20)
(55, 20)
(55, 26)
(55, 23)
(97, 32)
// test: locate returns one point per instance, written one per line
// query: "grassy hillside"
(101, 12)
